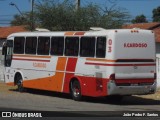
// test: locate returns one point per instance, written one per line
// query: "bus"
(94, 63)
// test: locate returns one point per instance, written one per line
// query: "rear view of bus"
(133, 69)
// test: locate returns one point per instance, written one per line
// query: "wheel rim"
(76, 91)
(20, 85)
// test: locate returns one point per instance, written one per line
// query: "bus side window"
(43, 45)
(101, 47)
(31, 45)
(19, 45)
(71, 46)
(57, 45)
(87, 47)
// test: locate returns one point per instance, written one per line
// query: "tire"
(20, 84)
(76, 90)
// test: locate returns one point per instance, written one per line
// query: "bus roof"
(75, 33)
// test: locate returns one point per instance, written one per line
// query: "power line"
(5, 23)
(6, 15)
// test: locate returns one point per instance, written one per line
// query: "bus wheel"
(76, 90)
(20, 84)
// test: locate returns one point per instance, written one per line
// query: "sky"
(134, 7)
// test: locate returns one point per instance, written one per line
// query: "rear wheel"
(20, 83)
(76, 90)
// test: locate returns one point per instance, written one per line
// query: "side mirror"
(4, 48)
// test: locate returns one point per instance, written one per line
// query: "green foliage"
(140, 19)
(22, 20)
(18, 20)
(156, 14)
(62, 16)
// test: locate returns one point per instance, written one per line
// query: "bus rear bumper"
(130, 90)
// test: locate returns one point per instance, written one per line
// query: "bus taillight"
(155, 76)
(112, 77)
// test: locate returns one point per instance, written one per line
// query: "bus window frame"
(36, 45)
(105, 46)
(94, 47)
(24, 44)
(78, 46)
(51, 45)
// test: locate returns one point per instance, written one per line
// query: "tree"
(156, 14)
(18, 20)
(62, 16)
(140, 19)
(22, 20)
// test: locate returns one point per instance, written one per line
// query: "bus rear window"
(19, 45)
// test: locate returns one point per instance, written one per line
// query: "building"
(155, 26)
(5, 31)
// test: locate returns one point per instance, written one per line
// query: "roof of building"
(6, 31)
(157, 34)
(149, 26)
(155, 26)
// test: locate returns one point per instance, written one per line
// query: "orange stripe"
(69, 33)
(10, 83)
(61, 63)
(103, 60)
(33, 56)
(53, 83)
(40, 83)
(59, 76)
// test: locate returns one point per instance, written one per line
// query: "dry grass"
(5, 88)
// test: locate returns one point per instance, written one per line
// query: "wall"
(158, 70)
(1, 66)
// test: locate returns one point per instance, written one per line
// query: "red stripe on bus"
(71, 64)
(100, 64)
(31, 56)
(140, 80)
(31, 60)
(79, 33)
(121, 60)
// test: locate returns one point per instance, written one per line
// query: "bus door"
(7, 52)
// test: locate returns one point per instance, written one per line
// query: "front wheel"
(20, 84)
(76, 90)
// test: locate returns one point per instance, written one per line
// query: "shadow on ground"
(126, 100)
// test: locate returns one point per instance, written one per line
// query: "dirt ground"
(8, 89)
(155, 96)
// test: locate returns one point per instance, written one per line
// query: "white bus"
(86, 63)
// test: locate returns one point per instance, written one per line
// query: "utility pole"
(32, 15)
(77, 4)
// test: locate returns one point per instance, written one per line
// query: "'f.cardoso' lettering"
(39, 65)
(135, 45)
